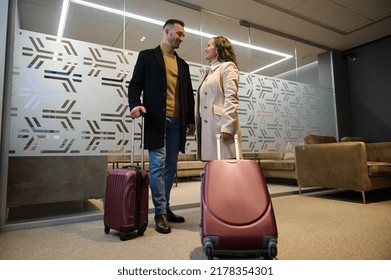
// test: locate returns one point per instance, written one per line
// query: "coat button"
(205, 121)
(205, 93)
(205, 107)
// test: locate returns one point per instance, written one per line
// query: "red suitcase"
(237, 214)
(126, 199)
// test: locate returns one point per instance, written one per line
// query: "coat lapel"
(180, 66)
(160, 60)
(159, 57)
(214, 66)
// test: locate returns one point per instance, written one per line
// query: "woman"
(217, 102)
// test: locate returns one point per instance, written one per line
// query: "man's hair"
(172, 22)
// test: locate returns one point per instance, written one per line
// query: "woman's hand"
(190, 129)
(225, 136)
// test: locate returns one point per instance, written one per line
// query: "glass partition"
(70, 120)
(288, 101)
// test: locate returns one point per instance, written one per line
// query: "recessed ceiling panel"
(340, 16)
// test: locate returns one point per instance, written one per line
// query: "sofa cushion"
(353, 138)
(319, 139)
(289, 156)
(376, 168)
(250, 156)
(191, 164)
(187, 157)
(275, 155)
(277, 164)
(379, 151)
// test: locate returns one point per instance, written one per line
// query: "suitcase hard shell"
(126, 201)
(237, 215)
(126, 197)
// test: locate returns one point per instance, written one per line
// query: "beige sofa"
(188, 166)
(351, 165)
(275, 164)
(278, 165)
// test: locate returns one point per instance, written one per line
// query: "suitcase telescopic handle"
(236, 139)
(142, 113)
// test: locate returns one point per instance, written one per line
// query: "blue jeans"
(163, 165)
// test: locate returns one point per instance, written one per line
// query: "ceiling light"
(65, 9)
(63, 18)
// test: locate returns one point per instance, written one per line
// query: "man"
(164, 80)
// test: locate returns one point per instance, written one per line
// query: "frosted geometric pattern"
(70, 98)
(277, 114)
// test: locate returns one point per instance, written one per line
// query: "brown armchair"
(355, 166)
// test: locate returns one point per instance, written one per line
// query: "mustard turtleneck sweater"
(172, 101)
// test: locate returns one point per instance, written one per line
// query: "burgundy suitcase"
(126, 199)
(237, 216)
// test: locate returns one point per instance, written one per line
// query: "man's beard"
(173, 42)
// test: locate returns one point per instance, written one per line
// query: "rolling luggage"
(237, 217)
(126, 199)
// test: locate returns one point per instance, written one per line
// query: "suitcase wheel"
(107, 229)
(141, 231)
(273, 252)
(207, 243)
(123, 236)
(209, 252)
(272, 248)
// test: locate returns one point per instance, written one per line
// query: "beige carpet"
(315, 226)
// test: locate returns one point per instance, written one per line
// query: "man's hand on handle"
(137, 112)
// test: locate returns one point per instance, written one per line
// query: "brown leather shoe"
(162, 224)
(172, 218)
